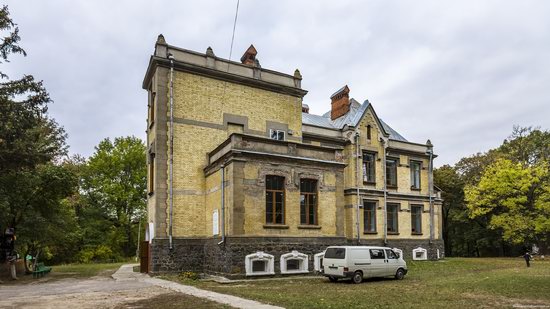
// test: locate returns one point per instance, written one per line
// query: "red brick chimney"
(339, 103)
(249, 56)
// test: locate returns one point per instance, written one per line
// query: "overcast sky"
(460, 73)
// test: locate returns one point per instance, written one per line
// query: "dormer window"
(277, 135)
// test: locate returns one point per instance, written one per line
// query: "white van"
(358, 262)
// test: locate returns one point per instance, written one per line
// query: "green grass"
(86, 270)
(451, 283)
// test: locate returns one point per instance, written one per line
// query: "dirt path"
(95, 292)
(124, 289)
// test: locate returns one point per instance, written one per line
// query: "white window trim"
(260, 256)
(295, 255)
(317, 261)
(424, 252)
(278, 131)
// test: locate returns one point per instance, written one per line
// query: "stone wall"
(228, 259)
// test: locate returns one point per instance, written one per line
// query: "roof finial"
(161, 40)
(210, 52)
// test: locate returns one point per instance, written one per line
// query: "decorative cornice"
(217, 74)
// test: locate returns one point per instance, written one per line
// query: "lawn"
(450, 283)
(68, 271)
(86, 270)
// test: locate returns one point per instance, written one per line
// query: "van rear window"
(335, 253)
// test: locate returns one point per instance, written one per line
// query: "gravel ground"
(95, 292)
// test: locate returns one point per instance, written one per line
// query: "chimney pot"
(249, 56)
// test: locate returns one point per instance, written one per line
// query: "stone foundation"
(228, 259)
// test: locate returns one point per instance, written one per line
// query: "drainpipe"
(223, 205)
(171, 57)
(430, 188)
(357, 187)
(385, 145)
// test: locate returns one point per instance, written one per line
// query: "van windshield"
(335, 253)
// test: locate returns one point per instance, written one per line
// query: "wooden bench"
(40, 270)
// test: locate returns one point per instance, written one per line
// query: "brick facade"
(223, 113)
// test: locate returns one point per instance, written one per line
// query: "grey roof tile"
(351, 118)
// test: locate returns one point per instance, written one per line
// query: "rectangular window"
(369, 217)
(277, 135)
(151, 173)
(274, 199)
(152, 108)
(415, 174)
(308, 201)
(416, 219)
(368, 167)
(391, 172)
(392, 216)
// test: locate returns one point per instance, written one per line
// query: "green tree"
(32, 185)
(114, 184)
(514, 199)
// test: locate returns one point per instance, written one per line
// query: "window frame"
(277, 132)
(395, 165)
(152, 109)
(307, 205)
(151, 174)
(395, 216)
(373, 168)
(274, 201)
(419, 164)
(416, 216)
(374, 205)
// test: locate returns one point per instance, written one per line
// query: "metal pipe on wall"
(171, 167)
(384, 145)
(357, 187)
(223, 204)
(430, 189)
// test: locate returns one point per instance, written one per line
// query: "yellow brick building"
(240, 172)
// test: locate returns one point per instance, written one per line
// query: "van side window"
(335, 253)
(377, 254)
(390, 254)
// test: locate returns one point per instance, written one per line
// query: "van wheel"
(332, 279)
(400, 274)
(357, 277)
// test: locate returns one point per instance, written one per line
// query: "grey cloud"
(460, 73)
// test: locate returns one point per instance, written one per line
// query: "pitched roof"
(352, 118)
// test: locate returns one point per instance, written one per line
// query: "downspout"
(357, 187)
(384, 144)
(223, 205)
(171, 167)
(430, 189)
